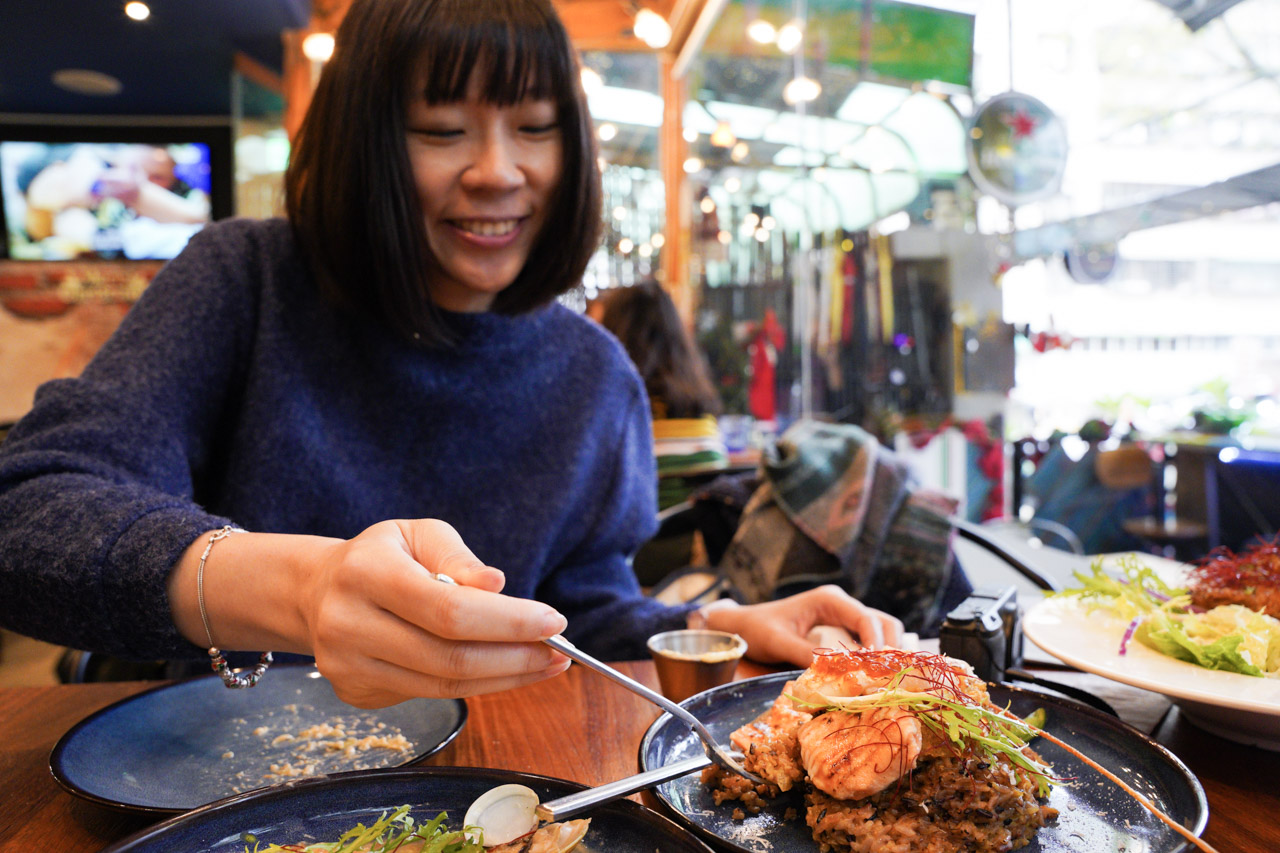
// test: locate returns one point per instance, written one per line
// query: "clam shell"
(504, 813)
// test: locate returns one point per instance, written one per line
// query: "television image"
(109, 193)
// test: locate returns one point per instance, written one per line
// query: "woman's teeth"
(488, 228)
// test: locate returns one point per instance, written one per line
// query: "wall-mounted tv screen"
(103, 192)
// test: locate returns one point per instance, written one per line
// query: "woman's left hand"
(778, 631)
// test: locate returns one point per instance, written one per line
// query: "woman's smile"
(488, 229)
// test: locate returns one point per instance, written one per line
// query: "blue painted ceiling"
(177, 62)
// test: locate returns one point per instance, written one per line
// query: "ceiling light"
(690, 134)
(592, 82)
(625, 245)
(739, 152)
(707, 205)
(652, 29)
(318, 47)
(761, 31)
(732, 184)
(138, 11)
(722, 136)
(82, 81)
(658, 241)
(801, 90)
(789, 37)
(607, 131)
(693, 164)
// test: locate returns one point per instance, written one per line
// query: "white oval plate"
(1240, 708)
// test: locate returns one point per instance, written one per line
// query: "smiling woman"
(497, 133)
(381, 389)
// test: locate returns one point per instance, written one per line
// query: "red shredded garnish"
(944, 679)
(1258, 564)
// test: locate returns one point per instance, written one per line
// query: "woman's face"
(485, 177)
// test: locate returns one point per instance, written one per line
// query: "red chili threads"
(1257, 565)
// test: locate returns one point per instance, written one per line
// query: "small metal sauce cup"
(691, 660)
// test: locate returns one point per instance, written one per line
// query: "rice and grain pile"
(884, 746)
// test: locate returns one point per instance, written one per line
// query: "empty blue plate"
(182, 745)
(1095, 814)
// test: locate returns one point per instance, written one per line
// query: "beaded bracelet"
(234, 680)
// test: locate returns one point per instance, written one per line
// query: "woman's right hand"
(381, 628)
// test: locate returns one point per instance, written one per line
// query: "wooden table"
(578, 727)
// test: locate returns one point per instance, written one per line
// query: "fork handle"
(576, 803)
(571, 651)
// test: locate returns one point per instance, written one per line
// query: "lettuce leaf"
(1230, 637)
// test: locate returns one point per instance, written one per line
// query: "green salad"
(395, 830)
(1229, 637)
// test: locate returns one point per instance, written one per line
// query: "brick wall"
(53, 318)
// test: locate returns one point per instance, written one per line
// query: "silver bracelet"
(231, 679)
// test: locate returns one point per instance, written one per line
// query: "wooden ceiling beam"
(606, 24)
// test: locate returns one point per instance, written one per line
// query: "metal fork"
(715, 752)
(718, 754)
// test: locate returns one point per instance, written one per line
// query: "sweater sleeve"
(609, 616)
(99, 482)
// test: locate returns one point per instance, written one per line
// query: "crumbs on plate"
(292, 745)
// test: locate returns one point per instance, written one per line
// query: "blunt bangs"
(514, 52)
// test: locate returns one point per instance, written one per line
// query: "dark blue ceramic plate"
(182, 745)
(322, 809)
(1095, 814)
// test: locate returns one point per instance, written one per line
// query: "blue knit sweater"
(232, 394)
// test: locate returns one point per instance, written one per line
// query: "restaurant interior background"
(1034, 246)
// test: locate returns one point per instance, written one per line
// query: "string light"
(761, 31)
(801, 90)
(592, 82)
(318, 47)
(652, 29)
(789, 37)
(722, 136)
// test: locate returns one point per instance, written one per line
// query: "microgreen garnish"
(990, 732)
(390, 832)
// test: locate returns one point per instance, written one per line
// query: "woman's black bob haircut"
(349, 189)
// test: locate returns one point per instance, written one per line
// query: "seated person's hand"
(785, 631)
